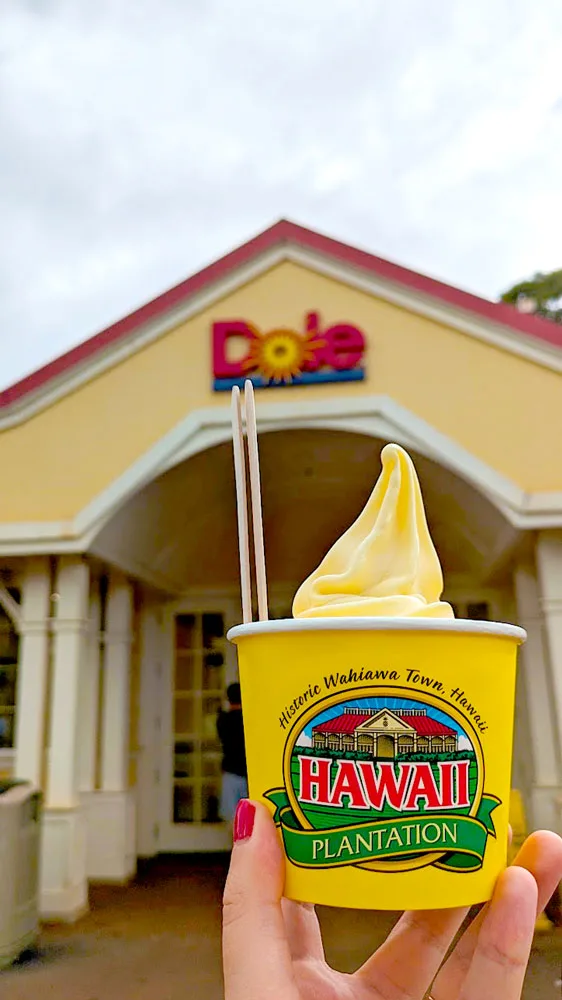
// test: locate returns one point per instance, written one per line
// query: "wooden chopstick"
(241, 505)
(255, 492)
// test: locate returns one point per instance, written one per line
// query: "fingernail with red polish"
(244, 820)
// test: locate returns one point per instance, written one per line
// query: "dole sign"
(283, 356)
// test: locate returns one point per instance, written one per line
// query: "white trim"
(30, 538)
(543, 503)
(36, 531)
(58, 546)
(460, 625)
(374, 416)
(139, 339)
(504, 337)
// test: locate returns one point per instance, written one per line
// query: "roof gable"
(282, 234)
(385, 721)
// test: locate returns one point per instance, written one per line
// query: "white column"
(69, 648)
(549, 567)
(64, 891)
(32, 672)
(150, 731)
(88, 705)
(117, 686)
(549, 572)
(533, 676)
(111, 809)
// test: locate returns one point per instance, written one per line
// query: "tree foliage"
(541, 295)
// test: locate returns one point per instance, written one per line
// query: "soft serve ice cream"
(385, 564)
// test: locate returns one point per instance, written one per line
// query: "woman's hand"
(273, 948)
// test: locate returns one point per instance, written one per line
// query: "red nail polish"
(244, 820)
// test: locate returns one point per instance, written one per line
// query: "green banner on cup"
(462, 838)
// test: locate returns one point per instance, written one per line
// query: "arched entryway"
(181, 527)
(181, 530)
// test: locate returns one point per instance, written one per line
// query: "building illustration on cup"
(385, 782)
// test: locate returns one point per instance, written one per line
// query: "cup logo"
(384, 781)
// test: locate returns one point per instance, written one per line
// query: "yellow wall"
(503, 409)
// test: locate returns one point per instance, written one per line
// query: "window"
(199, 689)
(9, 648)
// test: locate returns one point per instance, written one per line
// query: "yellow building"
(118, 532)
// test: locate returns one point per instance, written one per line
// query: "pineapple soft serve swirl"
(385, 564)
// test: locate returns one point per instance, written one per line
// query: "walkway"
(160, 940)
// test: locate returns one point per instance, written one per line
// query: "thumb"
(257, 962)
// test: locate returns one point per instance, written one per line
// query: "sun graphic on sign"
(281, 354)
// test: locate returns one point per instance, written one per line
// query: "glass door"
(197, 693)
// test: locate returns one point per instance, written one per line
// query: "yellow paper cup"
(383, 749)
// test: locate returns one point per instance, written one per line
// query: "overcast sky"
(141, 139)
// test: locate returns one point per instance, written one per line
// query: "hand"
(272, 947)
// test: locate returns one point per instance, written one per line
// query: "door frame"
(200, 837)
(188, 837)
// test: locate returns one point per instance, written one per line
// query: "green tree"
(541, 295)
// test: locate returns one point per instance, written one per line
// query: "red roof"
(425, 726)
(348, 723)
(278, 234)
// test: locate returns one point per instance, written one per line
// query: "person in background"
(230, 729)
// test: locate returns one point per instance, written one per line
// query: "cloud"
(142, 140)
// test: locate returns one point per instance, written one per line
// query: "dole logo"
(284, 356)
